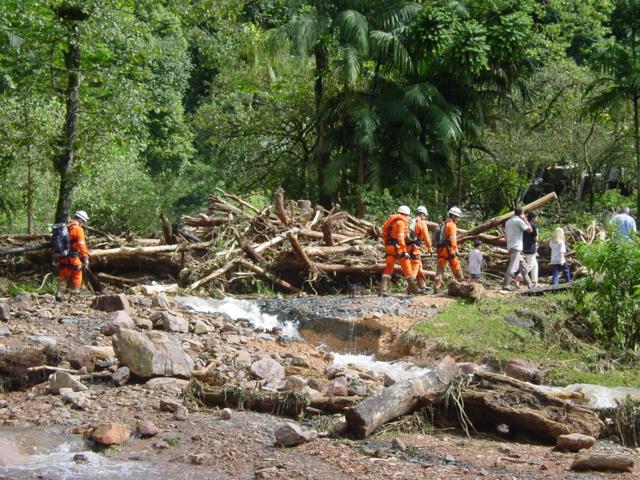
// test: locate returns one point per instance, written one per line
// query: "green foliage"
(613, 309)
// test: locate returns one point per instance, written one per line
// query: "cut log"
(135, 251)
(206, 221)
(287, 404)
(496, 221)
(326, 231)
(238, 199)
(25, 248)
(394, 402)
(122, 281)
(249, 251)
(280, 210)
(334, 404)
(167, 231)
(492, 400)
(268, 276)
(320, 236)
(325, 251)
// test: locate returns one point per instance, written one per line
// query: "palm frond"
(385, 45)
(349, 70)
(355, 29)
(394, 15)
(15, 40)
(419, 95)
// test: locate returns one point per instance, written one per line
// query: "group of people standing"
(405, 237)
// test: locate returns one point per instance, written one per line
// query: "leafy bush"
(613, 309)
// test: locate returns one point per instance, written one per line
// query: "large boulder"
(153, 354)
(110, 303)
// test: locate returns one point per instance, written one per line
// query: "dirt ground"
(209, 446)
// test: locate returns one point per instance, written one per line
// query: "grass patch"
(539, 329)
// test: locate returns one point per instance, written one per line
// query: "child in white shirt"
(475, 261)
(558, 262)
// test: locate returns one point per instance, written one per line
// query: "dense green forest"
(126, 108)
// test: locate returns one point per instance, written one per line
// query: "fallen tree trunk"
(26, 248)
(135, 251)
(268, 276)
(394, 402)
(496, 221)
(491, 400)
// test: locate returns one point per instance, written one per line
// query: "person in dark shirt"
(530, 247)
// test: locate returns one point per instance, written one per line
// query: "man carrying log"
(514, 229)
(394, 231)
(447, 248)
(417, 236)
(71, 261)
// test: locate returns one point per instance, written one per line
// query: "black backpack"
(60, 240)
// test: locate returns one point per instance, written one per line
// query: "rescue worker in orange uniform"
(70, 267)
(394, 231)
(447, 246)
(417, 237)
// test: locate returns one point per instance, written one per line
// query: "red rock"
(575, 442)
(111, 303)
(147, 429)
(523, 370)
(110, 433)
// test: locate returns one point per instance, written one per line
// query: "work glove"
(405, 255)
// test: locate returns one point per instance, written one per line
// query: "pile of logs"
(290, 245)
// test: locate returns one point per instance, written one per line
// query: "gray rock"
(117, 320)
(160, 301)
(398, 444)
(152, 355)
(144, 323)
(82, 357)
(147, 429)
(170, 322)
(59, 380)
(225, 414)
(575, 442)
(389, 380)
(4, 331)
(5, 312)
(243, 359)
(77, 399)
(42, 340)
(181, 413)
(166, 384)
(110, 303)
(169, 405)
(290, 435)
(298, 361)
(294, 383)
(121, 376)
(200, 328)
(523, 370)
(267, 368)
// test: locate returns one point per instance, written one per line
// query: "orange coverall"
(70, 267)
(447, 254)
(415, 249)
(395, 246)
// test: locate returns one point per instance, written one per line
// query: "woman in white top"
(558, 262)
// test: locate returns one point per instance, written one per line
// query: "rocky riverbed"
(107, 397)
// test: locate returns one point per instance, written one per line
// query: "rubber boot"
(458, 274)
(412, 286)
(59, 291)
(422, 285)
(384, 285)
(438, 281)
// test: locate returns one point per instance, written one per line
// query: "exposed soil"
(243, 445)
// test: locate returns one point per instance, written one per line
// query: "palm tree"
(620, 61)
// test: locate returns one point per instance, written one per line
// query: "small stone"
(5, 312)
(110, 303)
(161, 444)
(121, 376)
(173, 323)
(243, 359)
(60, 380)
(380, 453)
(4, 331)
(225, 414)
(110, 433)
(147, 429)
(267, 368)
(160, 301)
(167, 384)
(523, 370)
(42, 340)
(199, 458)
(294, 383)
(575, 442)
(82, 357)
(298, 361)
(200, 328)
(117, 320)
(77, 399)
(448, 458)
(80, 458)
(398, 444)
(290, 434)
(144, 323)
(389, 380)
(169, 405)
(181, 413)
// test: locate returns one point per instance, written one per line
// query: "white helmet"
(404, 210)
(81, 215)
(422, 209)
(455, 212)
